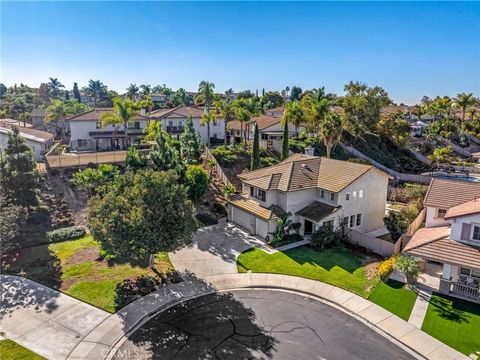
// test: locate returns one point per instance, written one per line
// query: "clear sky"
(409, 48)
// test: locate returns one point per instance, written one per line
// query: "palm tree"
(124, 112)
(206, 119)
(94, 89)
(225, 110)
(331, 130)
(132, 90)
(464, 100)
(54, 85)
(419, 111)
(205, 94)
(20, 105)
(287, 90)
(293, 114)
(146, 89)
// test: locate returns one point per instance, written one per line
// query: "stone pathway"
(420, 308)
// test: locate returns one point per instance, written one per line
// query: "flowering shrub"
(386, 267)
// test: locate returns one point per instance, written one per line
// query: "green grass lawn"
(76, 268)
(339, 267)
(394, 297)
(10, 350)
(454, 322)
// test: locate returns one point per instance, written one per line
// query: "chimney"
(309, 151)
(143, 112)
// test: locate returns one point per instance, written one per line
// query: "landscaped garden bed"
(454, 322)
(76, 268)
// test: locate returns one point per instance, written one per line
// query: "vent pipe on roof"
(309, 151)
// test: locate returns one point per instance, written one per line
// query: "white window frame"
(258, 194)
(332, 196)
(352, 221)
(354, 194)
(475, 225)
(322, 194)
(359, 217)
(330, 223)
(360, 193)
(444, 211)
(82, 140)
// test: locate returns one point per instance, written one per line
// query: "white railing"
(465, 290)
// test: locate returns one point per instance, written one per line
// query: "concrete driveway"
(214, 250)
(44, 320)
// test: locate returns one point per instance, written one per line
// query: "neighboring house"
(38, 117)
(173, 122)
(8, 122)
(269, 128)
(39, 141)
(444, 194)
(456, 246)
(418, 128)
(158, 99)
(275, 112)
(314, 191)
(87, 134)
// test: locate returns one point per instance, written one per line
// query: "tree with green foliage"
(441, 155)
(271, 99)
(331, 130)
(54, 85)
(409, 266)
(132, 90)
(12, 217)
(93, 178)
(191, 145)
(396, 128)
(285, 148)
(163, 155)
(207, 117)
(463, 101)
(295, 93)
(396, 224)
(135, 160)
(225, 109)
(96, 90)
(293, 114)
(141, 214)
(362, 105)
(123, 113)
(196, 182)
(19, 176)
(76, 92)
(255, 161)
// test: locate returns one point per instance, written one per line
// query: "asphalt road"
(256, 324)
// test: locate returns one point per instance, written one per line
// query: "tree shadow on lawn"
(216, 326)
(453, 309)
(38, 264)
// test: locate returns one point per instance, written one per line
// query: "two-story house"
(451, 236)
(314, 191)
(173, 122)
(87, 133)
(275, 112)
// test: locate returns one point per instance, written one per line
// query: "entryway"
(308, 227)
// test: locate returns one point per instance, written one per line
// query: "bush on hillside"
(69, 233)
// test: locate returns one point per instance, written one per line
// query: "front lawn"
(454, 322)
(339, 267)
(394, 297)
(10, 350)
(76, 268)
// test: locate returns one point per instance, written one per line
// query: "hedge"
(68, 233)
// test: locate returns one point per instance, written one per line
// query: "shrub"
(228, 189)
(39, 217)
(386, 267)
(326, 237)
(130, 290)
(409, 266)
(205, 219)
(196, 182)
(69, 233)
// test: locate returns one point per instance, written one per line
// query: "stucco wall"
(218, 128)
(456, 229)
(431, 219)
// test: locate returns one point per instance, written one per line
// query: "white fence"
(459, 150)
(218, 168)
(277, 146)
(422, 158)
(377, 246)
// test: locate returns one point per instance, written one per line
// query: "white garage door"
(242, 218)
(261, 228)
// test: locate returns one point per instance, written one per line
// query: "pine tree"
(191, 145)
(76, 92)
(285, 149)
(19, 173)
(164, 156)
(256, 150)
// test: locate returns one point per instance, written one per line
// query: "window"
(360, 194)
(347, 196)
(170, 123)
(441, 213)
(354, 194)
(261, 194)
(476, 232)
(352, 221)
(251, 190)
(322, 194)
(332, 197)
(214, 122)
(359, 219)
(328, 223)
(470, 272)
(136, 125)
(214, 135)
(98, 125)
(82, 143)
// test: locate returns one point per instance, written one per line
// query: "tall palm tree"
(463, 101)
(54, 85)
(132, 90)
(419, 110)
(146, 89)
(293, 114)
(205, 94)
(123, 113)
(19, 105)
(331, 130)
(244, 116)
(206, 119)
(94, 90)
(225, 110)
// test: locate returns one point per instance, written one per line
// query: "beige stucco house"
(451, 237)
(314, 191)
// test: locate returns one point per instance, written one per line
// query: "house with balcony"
(450, 240)
(87, 134)
(173, 122)
(313, 191)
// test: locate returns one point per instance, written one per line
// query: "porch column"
(447, 271)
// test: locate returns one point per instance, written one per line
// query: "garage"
(243, 219)
(261, 227)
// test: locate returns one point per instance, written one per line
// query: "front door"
(308, 226)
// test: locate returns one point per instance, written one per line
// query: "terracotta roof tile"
(468, 208)
(316, 211)
(263, 122)
(426, 235)
(178, 112)
(254, 208)
(95, 114)
(445, 194)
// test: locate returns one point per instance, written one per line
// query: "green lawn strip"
(454, 322)
(338, 267)
(99, 293)
(10, 350)
(394, 297)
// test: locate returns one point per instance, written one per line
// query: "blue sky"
(409, 48)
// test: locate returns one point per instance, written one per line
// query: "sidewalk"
(420, 308)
